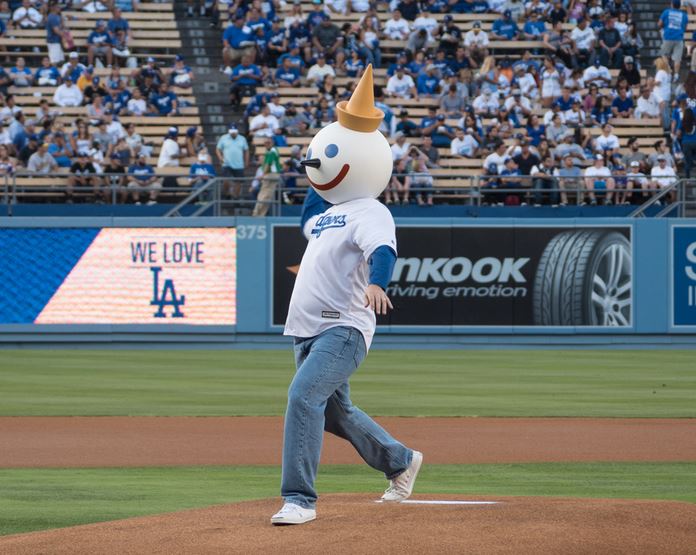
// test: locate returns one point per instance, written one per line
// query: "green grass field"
(36, 499)
(405, 383)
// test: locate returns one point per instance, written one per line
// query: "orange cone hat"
(359, 113)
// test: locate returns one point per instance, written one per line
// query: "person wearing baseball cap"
(232, 151)
(662, 175)
(505, 28)
(170, 153)
(202, 171)
(598, 179)
(99, 43)
(636, 184)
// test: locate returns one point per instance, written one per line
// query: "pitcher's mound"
(356, 524)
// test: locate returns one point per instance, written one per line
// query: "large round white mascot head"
(350, 159)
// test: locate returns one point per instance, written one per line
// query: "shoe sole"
(413, 483)
(288, 523)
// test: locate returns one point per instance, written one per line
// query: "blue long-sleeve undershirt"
(381, 265)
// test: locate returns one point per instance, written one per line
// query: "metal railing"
(214, 196)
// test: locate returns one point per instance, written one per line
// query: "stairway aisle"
(646, 14)
(202, 49)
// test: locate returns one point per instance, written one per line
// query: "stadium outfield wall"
(226, 282)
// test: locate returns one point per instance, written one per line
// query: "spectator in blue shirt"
(47, 75)
(673, 22)
(316, 16)
(510, 178)
(296, 61)
(21, 75)
(54, 34)
(99, 43)
(441, 133)
(237, 42)
(286, 75)
(535, 28)
(428, 83)
(164, 101)
(201, 172)
(181, 75)
(354, 66)
(277, 42)
(118, 23)
(565, 101)
(406, 126)
(255, 21)
(5, 81)
(245, 78)
(622, 106)
(504, 28)
(72, 68)
(401, 61)
(142, 178)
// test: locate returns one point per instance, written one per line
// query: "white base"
(443, 502)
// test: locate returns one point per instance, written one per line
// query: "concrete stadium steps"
(202, 49)
(646, 15)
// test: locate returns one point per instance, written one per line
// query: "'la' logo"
(166, 297)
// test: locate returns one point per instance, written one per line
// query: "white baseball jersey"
(334, 273)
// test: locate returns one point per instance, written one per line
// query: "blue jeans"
(318, 400)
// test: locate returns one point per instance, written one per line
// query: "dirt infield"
(143, 441)
(355, 524)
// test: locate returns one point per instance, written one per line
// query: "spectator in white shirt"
(464, 144)
(320, 70)
(598, 178)
(584, 38)
(170, 151)
(662, 176)
(26, 16)
(607, 142)
(477, 41)
(360, 6)
(397, 27)
(427, 22)
(67, 94)
(137, 106)
(519, 104)
(486, 103)
(401, 147)
(597, 74)
(264, 124)
(41, 161)
(526, 83)
(647, 106)
(575, 117)
(401, 85)
(497, 158)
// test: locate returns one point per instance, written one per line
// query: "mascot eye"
(309, 153)
(331, 150)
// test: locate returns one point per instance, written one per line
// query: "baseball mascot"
(340, 286)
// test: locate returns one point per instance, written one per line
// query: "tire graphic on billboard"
(584, 279)
(493, 275)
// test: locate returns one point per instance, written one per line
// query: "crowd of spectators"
(540, 104)
(102, 157)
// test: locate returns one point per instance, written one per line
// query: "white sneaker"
(293, 514)
(401, 487)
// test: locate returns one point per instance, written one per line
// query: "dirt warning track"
(145, 441)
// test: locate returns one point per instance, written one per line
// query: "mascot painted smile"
(340, 287)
